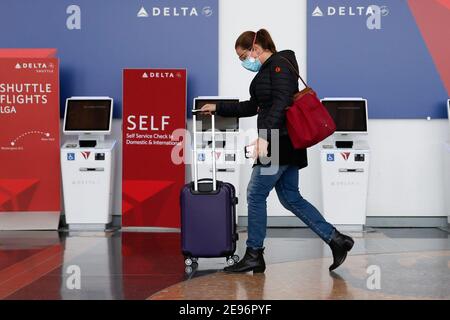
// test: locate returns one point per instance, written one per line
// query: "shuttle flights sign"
(29, 142)
(154, 106)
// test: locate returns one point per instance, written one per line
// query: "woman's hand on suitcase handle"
(260, 148)
(208, 108)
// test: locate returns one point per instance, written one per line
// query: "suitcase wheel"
(188, 270)
(191, 265)
(236, 258)
(190, 260)
(230, 261)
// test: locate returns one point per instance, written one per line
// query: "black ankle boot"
(252, 261)
(340, 244)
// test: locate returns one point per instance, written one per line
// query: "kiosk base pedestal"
(345, 175)
(87, 184)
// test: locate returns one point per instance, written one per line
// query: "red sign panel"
(29, 135)
(154, 105)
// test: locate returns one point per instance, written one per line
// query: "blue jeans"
(285, 181)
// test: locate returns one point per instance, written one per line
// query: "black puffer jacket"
(271, 91)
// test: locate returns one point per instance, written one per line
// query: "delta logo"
(351, 11)
(86, 154)
(345, 155)
(174, 12)
(374, 13)
(35, 66)
(32, 65)
(161, 75)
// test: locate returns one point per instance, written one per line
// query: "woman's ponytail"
(263, 38)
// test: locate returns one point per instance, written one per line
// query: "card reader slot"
(92, 169)
(223, 170)
(358, 170)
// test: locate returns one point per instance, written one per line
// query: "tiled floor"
(411, 264)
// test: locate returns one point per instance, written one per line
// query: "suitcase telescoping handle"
(213, 152)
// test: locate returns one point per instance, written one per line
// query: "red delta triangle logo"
(85, 154)
(345, 155)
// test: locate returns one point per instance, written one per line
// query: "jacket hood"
(287, 54)
(290, 55)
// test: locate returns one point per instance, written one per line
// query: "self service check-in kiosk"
(87, 163)
(447, 167)
(228, 157)
(345, 163)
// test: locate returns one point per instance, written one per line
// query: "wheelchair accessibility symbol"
(71, 156)
(201, 157)
(330, 157)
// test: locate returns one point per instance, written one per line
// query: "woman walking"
(271, 91)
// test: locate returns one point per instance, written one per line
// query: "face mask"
(252, 64)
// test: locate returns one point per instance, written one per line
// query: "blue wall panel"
(176, 34)
(391, 66)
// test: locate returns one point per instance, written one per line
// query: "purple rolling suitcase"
(208, 215)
